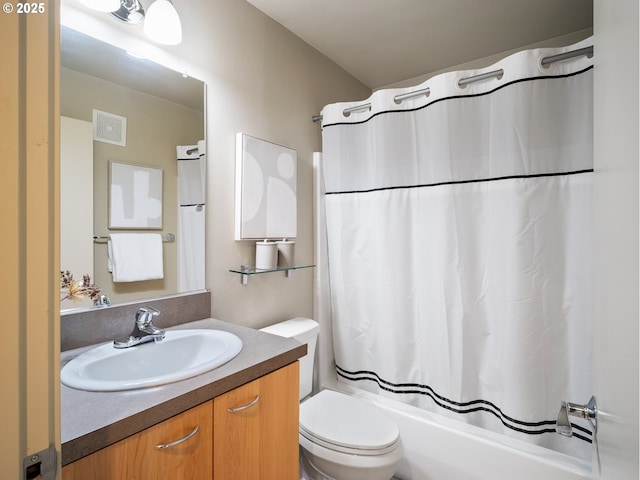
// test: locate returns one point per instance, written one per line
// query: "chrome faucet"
(588, 412)
(143, 331)
(102, 301)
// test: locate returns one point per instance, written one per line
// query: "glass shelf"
(245, 271)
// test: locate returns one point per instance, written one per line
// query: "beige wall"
(267, 83)
(154, 127)
(263, 81)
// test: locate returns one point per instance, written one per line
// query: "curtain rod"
(463, 82)
(587, 51)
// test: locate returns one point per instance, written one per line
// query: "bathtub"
(439, 448)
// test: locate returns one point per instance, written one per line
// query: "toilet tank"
(303, 330)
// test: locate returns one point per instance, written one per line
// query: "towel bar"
(169, 237)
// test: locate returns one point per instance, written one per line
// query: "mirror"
(144, 115)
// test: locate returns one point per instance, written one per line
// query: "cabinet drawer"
(137, 458)
(256, 429)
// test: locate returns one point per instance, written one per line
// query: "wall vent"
(109, 128)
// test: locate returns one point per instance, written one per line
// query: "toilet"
(341, 437)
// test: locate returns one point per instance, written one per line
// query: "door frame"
(29, 245)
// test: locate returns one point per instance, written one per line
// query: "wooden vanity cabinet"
(137, 458)
(249, 433)
(255, 429)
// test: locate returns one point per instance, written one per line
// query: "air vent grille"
(109, 128)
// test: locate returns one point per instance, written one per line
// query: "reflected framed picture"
(266, 200)
(135, 197)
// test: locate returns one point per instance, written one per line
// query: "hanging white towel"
(134, 257)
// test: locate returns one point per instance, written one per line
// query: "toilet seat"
(346, 424)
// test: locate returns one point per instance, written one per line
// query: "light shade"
(102, 5)
(162, 23)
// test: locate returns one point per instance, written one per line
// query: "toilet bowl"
(341, 437)
(345, 438)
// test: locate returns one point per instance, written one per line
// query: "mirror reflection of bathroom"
(117, 109)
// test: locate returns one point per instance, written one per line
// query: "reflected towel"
(134, 257)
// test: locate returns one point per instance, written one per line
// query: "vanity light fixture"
(130, 11)
(163, 23)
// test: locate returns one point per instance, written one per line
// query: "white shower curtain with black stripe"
(192, 174)
(459, 244)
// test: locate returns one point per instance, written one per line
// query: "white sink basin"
(182, 354)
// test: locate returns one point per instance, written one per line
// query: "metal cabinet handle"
(244, 407)
(177, 442)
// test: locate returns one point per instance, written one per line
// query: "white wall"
(616, 156)
(76, 198)
(261, 80)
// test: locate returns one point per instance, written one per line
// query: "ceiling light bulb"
(162, 23)
(102, 5)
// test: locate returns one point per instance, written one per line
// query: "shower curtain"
(192, 171)
(459, 244)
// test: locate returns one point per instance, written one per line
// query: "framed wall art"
(135, 197)
(266, 201)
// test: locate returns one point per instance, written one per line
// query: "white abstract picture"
(135, 196)
(266, 177)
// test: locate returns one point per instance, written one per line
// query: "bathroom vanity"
(246, 414)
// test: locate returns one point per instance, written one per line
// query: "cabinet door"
(256, 429)
(137, 458)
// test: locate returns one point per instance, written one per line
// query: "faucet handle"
(102, 301)
(145, 315)
(148, 309)
(563, 425)
(143, 330)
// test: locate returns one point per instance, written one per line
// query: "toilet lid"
(346, 421)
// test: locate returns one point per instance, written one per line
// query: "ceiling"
(381, 42)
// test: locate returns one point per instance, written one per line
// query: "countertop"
(94, 420)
